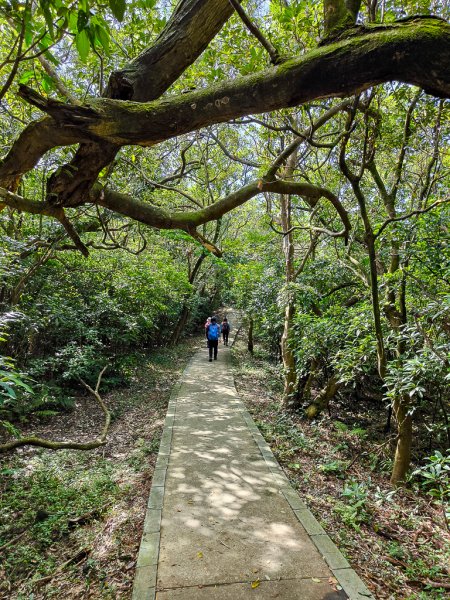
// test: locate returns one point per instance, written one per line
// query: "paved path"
(223, 523)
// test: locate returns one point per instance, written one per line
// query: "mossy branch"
(51, 445)
(415, 52)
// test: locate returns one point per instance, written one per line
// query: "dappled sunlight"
(224, 517)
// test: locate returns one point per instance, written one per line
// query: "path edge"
(345, 575)
(144, 586)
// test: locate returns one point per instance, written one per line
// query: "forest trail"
(223, 521)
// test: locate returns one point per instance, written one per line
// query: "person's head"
(225, 319)
(213, 320)
(208, 319)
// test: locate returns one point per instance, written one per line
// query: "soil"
(397, 541)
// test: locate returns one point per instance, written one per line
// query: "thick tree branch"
(339, 15)
(415, 52)
(192, 26)
(43, 443)
(187, 221)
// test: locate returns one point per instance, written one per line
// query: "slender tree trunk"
(250, 335)
(290, 372)
(181, 324)
(402, 457)
(185, 311)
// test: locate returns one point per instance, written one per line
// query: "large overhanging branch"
(190, 29)
(416, 51)
(160, 218)
(189, 221)
(193, 24)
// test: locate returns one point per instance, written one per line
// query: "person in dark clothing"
(225, 330)
(212, 335)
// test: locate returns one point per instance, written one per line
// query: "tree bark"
(250, 345)
(322, 400)
(191, 27)
(339, 15)
(416, 51)
(287, 353)
(402, 458)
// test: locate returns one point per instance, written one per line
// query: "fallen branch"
(83, 519)
(81, 554)
(14, 540)
(43, 443)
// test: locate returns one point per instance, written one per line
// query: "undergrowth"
(71, 521)
(397, 540)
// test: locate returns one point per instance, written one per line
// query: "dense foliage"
(325, 221)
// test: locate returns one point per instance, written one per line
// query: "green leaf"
(83, 44)
(82, 20)
(26, 76)
(9, 390)
(103, 36)
(45, 7)
(117, 8)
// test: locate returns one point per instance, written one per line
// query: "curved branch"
(411, 214)
(187, 221)
(43, 443)
(416, 51)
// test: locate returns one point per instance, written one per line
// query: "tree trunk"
(180, 325)
(250, 335)
(290, 371)
(322, 400)
(402, 457)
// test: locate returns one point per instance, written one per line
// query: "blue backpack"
(213, 332)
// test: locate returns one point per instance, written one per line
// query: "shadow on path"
(222, 520)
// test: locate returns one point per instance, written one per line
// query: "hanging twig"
(275, 58)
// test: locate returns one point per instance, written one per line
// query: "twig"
(14, 540)
(81, 554)
(100, 401)
(275, 58)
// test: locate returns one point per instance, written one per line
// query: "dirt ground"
(396, 540)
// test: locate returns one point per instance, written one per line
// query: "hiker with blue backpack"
(213, 335)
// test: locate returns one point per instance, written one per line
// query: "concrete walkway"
(223, 523)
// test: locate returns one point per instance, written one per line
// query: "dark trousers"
(225, 337)
(212, 345)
